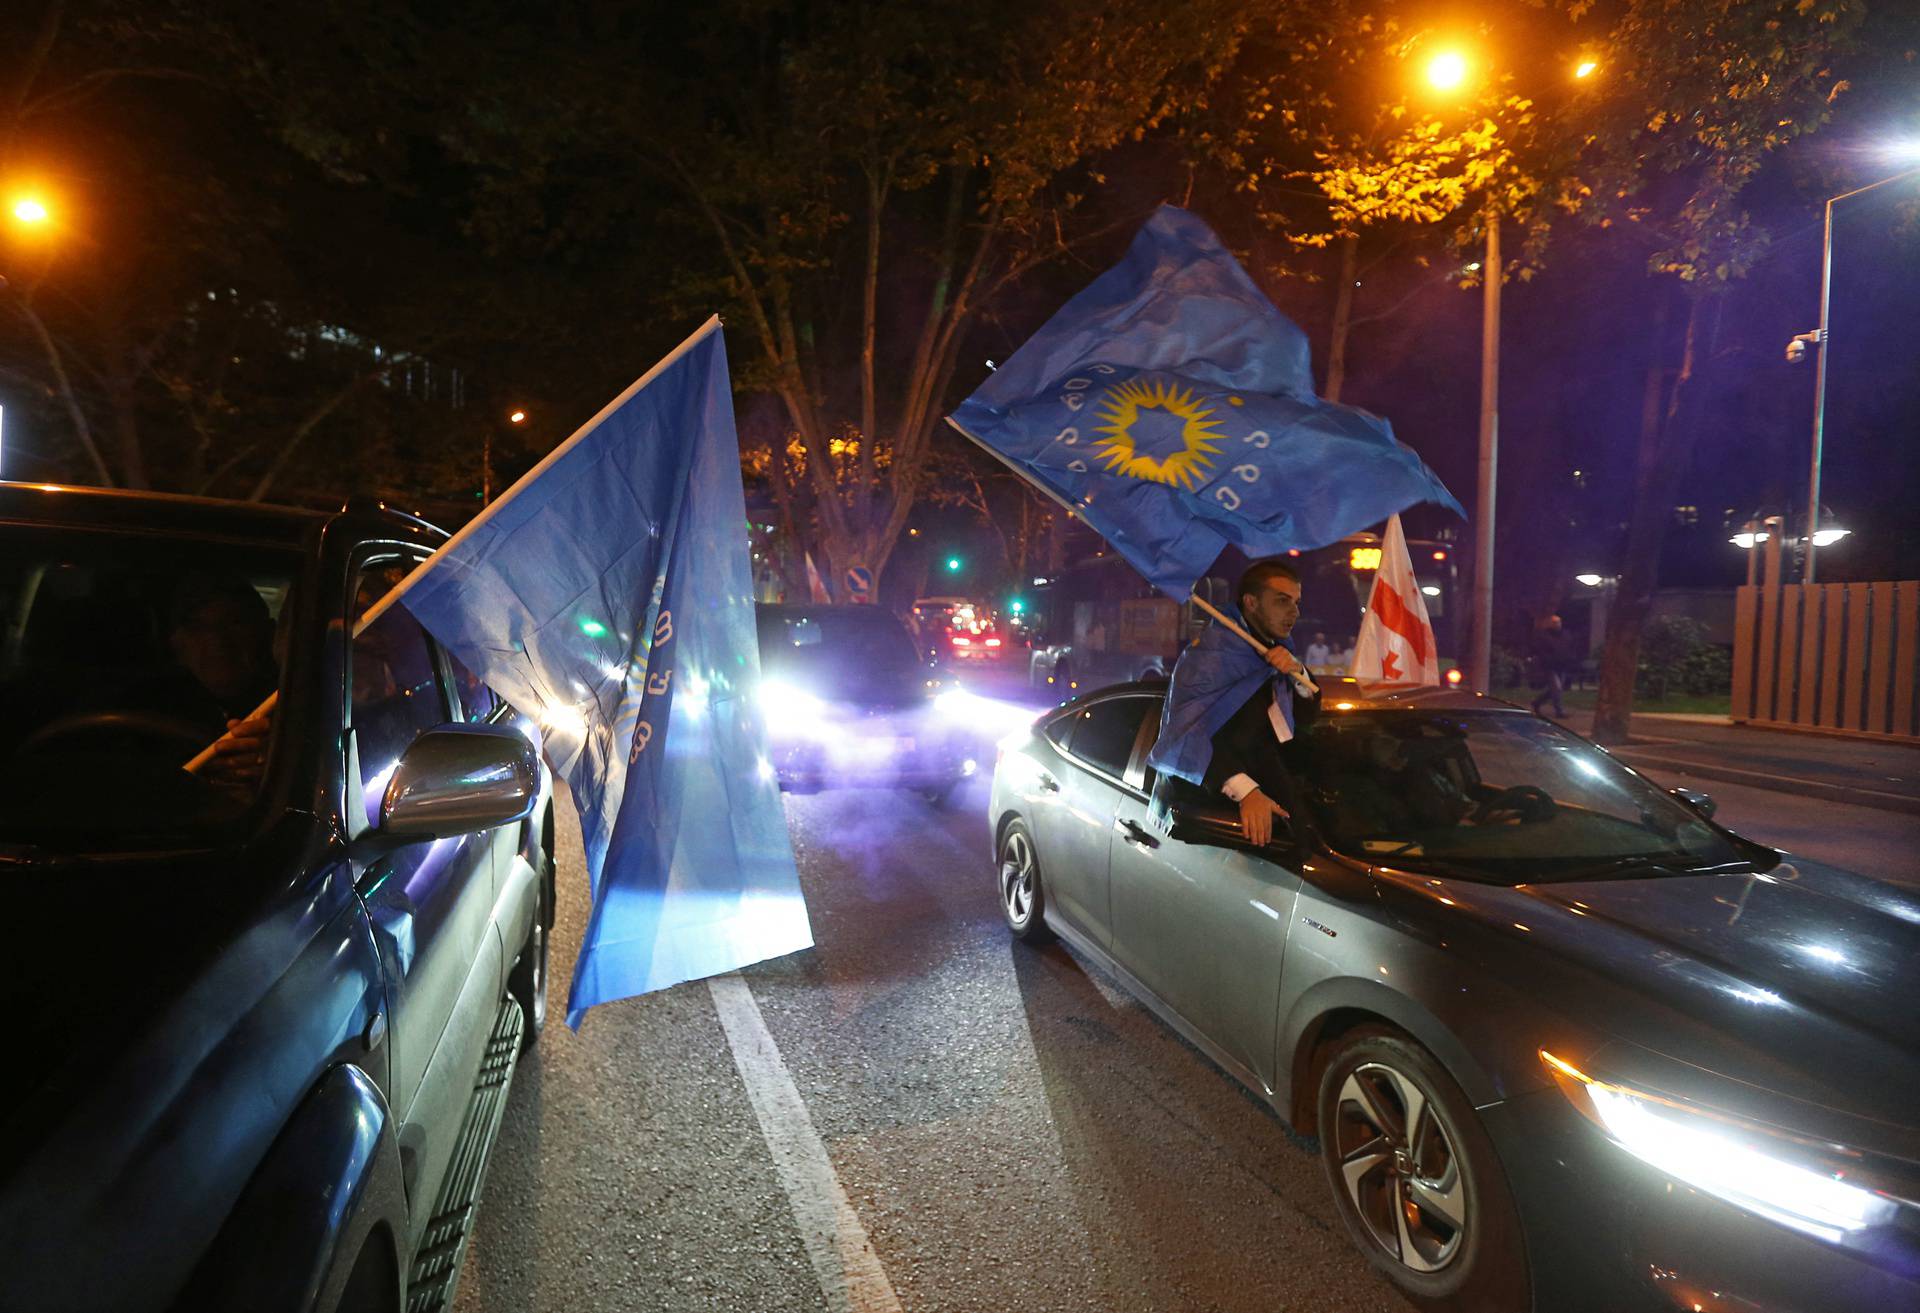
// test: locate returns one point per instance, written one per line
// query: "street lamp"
(30, 210)
(1817, 340)
(1447, 71)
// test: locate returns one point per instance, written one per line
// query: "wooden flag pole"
(1300, 676)
(1230, 623)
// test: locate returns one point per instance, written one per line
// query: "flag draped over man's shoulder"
(1170, 404)
(1396, 639)
(1213, 678)
(609, 594)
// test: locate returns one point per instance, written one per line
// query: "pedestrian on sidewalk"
(1553, 658)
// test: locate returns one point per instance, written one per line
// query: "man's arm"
(1244, 753)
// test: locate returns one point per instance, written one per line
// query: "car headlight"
(1797, 1183)
(792, 712)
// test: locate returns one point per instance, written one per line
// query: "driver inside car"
(221, 638)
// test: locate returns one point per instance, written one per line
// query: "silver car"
(1565, 1043)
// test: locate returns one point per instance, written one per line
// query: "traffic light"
(1016, 606)
(953, 564)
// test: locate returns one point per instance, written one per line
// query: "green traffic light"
(1016, 606)
(953, 563)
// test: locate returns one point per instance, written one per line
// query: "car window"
(394, 692)
(121, 656)
(477, 701)
(1103, 733)
(1511, 795)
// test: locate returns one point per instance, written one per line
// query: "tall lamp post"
(1447, 70)
(1817, 339)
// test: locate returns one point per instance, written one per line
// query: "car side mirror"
(457, 779)
(1190, 814)
(1700, 802)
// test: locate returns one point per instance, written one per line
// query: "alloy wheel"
(1401, 1172)
(1016, 878)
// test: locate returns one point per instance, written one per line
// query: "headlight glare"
(791, 712)
(1747, 1165)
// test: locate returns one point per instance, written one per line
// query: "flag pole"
(392, 595)
(1232, 624)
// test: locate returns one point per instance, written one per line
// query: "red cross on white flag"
(1396, 640)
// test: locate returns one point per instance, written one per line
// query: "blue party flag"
(1170, 405)
(609, 594)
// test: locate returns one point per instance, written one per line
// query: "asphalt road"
(1009, 1130)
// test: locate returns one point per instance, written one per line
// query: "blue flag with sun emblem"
(1171, 406)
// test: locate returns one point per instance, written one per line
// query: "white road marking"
(849, 1271)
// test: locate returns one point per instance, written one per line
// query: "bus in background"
(1098, 622)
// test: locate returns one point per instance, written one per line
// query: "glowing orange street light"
(1447, 70)
(518, 417)
(30, 209)
(1585, 68)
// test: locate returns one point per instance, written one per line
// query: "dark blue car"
(265, 1012)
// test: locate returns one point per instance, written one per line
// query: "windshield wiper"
(1662, 863)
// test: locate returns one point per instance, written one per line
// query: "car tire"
(1428, 1204)
(1022, 894)
(527, 982)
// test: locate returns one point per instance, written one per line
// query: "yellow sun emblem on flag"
(1120, 408)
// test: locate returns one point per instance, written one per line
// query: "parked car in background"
(851, 703)
(1565, 1043)
(265, 1016)
(953, 629)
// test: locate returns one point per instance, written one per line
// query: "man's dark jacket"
(1246, 745)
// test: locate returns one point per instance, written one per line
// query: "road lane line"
(849, 1271)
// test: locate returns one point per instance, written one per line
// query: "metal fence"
(1839, 657)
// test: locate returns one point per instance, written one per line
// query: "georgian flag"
(1396, 640)
(816, 590)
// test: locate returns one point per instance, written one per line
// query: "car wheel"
(1022, 897)
(1415, 1177)
(527, 982)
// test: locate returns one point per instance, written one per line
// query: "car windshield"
(121, 656)
(1496, 794)
(836, 652)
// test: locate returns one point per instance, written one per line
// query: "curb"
(1892, 802)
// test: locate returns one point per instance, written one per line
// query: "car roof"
(1342, 693)
(173, 515)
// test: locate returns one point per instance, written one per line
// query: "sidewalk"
(1864, 772)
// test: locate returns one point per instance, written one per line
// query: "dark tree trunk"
(1666, 449)
(1342, 316)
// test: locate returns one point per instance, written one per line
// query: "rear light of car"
(993, 642)
(960, 640)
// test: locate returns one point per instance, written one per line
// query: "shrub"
(1675, 657)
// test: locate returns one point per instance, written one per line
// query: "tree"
(1702, 93)
(871, 176)
(1389, 167)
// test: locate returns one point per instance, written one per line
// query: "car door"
(1203, 927)
(1097, 741)
(430, 903)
